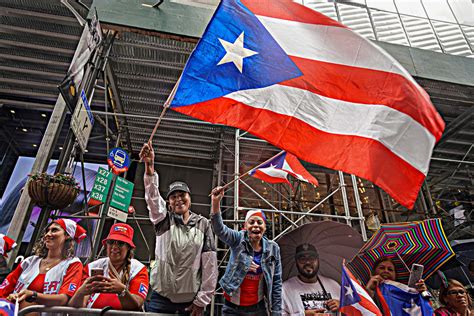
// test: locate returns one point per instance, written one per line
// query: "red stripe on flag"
(368, 86)
(296, 164)
(289, 10)
(265, 177)
(365, 157)
(350, 311)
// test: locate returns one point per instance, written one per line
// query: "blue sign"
(118, 160)
(88, 108)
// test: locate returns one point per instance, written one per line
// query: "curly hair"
(443, 292)
(68, 250)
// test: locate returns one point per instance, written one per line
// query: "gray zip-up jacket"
(185, 254)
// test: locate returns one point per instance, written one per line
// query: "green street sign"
(122, 194)
(101, 187)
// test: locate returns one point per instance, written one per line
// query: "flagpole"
(166, 105)
(246, 173)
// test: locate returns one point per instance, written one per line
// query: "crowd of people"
(185, 275)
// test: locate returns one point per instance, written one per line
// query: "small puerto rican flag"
(72, 287)
(143, 290)
(278, 169)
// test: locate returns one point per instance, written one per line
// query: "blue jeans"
(161, 304)
(231, 309)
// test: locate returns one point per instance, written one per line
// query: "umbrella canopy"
(334, 242)
(464, 250)
(422, 242)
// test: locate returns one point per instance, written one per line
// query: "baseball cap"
(306, 250)
(177, 186)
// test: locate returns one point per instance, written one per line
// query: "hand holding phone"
(97, 271)
(416, 274)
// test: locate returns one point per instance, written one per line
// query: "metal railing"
(63, 310)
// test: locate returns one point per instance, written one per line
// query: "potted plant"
(55, 191)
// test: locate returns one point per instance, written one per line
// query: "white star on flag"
(349, 291)
(414, 310)
(235, 52)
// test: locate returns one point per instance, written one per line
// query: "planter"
(45, 192)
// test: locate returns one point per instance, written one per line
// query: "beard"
(308, 274)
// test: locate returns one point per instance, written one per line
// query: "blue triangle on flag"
(203, 79)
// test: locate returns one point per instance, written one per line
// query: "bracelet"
(122, 294)
(32, 298)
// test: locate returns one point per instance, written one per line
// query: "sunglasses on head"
(119, 243)
(454, 292)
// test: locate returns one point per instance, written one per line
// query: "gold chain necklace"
(49, 265)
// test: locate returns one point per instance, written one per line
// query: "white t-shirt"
(298, 296)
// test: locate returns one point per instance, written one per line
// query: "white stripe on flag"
(272, 172)
(323, 43)
(363, 310)
(362, 292)
(378, 122)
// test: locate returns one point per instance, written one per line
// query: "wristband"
(122, 294)
(32, 298)
(426, 295)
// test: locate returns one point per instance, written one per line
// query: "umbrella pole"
(406, 267)
(464, 272)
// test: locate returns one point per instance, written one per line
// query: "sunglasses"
(119, 243)
(454, 292)
(304, 260)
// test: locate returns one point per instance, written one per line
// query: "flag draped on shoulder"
(278, 169)
(398, 299)
(311, 86)
(355, 301)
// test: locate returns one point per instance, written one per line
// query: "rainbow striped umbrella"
(422, 242)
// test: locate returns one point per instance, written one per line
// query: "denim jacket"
(239, 263)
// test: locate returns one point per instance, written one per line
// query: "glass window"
(386, 5)
(411, 7)
(439, 10)
(463, 10)
(356, 2)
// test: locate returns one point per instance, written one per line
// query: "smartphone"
(97, 271)
(416, 274)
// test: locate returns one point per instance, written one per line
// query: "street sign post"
(120, 200)
(82, 121)
(101, 187)
(118, 160)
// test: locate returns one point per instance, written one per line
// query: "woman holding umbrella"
(455, 298)
(254, 267)
(384, 269)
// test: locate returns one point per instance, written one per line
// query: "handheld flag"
(402, 300)
(355, 301)
(309, 85)
(7, 308)
(278, 169)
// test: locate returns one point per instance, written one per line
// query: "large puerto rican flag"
(311, 86)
